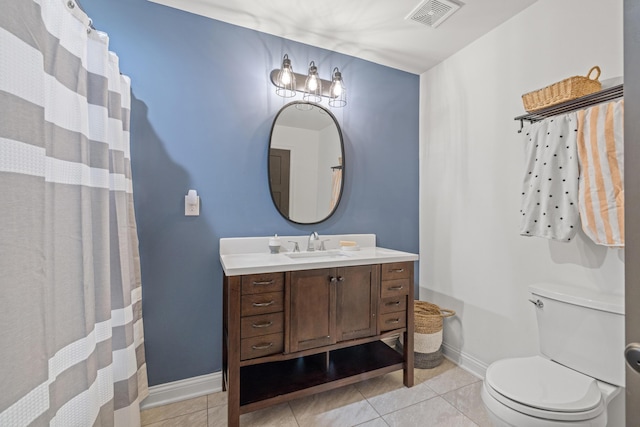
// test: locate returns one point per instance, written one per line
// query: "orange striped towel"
(601, 191)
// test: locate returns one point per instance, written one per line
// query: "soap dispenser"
(274, 244)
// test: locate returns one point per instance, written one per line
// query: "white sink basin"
(333, 253)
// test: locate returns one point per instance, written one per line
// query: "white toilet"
(581, 368)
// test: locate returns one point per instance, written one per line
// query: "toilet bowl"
(537, 392)
(580, 369)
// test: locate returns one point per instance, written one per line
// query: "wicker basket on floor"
(562, 91)
(427, 338)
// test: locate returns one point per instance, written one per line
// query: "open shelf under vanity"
(261, 384)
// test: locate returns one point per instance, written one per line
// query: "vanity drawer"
(390, 321)
(397, 303)
(261, 283)
(263, 324)
(392, 288)
(254, 304)
(250, 348)
(396, 270)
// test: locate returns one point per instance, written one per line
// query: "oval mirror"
(306, 158)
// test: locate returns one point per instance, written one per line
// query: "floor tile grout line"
(413, 404)
(461, 413)
(177, 416)
(293, 413)
(457, 407)
(453, 389)
(404, 407)
(368, 402)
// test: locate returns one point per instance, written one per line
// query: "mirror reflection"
(306, 157)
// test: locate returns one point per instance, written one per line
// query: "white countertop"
(237, 258)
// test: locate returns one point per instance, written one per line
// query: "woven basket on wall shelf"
(565, 90)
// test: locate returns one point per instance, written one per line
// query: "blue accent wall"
(201, 112)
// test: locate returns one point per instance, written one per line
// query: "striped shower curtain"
(71, 336)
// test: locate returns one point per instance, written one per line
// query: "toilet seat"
(544, 389)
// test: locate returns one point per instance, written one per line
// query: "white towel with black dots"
(549, 205)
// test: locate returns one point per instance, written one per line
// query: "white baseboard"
(466, 362)
(177, 391)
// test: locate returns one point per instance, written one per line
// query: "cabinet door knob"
(332, 279)
(340, 279)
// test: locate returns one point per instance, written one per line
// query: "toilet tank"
(582, 329)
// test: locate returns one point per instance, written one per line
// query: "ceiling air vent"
(433, 12)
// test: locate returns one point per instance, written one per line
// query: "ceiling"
(375, 30)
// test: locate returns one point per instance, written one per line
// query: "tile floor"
(444, 396)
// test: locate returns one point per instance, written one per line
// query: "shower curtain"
(336, 184)
(71, 336)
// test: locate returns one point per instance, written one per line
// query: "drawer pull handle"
(395, 288)
(262, 325)
(265, 282)
(263, 304)
(262, 346)
(396, 270)
(396, 303)
(393, 321)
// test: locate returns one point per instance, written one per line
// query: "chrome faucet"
(313, 237)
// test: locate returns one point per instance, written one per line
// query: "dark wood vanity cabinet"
(292, 334)
(333, 305)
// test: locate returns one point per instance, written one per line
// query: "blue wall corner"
(202, 110)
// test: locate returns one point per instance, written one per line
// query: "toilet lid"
(540, 383)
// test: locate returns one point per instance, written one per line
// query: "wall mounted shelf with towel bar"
(608, 94)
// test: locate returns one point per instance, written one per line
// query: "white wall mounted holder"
(192, 203)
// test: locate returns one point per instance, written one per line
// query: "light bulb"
(285, 79)
(337, 89)
(313, 83)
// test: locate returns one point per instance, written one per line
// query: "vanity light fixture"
(286, 86)
(312, 86)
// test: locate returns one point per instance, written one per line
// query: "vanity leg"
(408, 345)
(225, 365)
(233, 350)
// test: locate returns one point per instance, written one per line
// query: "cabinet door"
(357, 301)
(313, 302)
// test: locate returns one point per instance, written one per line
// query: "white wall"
(471, 164)
(329, 154)
(304, 145)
